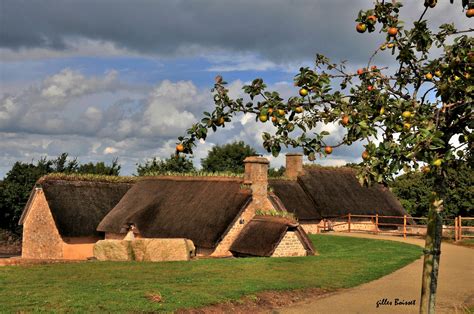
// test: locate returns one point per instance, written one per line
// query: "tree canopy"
(228, 157)
(19, 181)
(418, 115)
(174, 163)
(414, 189)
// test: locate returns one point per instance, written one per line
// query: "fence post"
(404, 226)
(460, 228)
(349, 222)
(376, 223)
(456, 229)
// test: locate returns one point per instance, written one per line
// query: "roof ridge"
(191, 178)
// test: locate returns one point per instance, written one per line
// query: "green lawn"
(123, 286)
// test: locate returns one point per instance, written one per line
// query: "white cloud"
(70, 83)
(110, 150)
(93, 124)
(168, 108)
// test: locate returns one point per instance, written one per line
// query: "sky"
(123, 79)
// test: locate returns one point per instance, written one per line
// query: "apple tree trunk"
(432, 253)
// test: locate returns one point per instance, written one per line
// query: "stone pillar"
(256, 174)
(294, 165)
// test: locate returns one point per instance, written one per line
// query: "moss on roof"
(86, 178)
(132, 179)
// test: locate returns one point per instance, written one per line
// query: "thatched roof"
(197, 208)
(262, 234)
(294, 199)
(331, 192)
(78, 206)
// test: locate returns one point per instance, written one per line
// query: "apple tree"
(415, 117)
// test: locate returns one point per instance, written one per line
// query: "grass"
(128, 286)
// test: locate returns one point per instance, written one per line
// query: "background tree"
(19, 181)
(276, 172)
(172, 164)
(228, 157)
(100, 168)
(414, 189)
(420, 115)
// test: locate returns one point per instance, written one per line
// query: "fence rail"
(398, 225)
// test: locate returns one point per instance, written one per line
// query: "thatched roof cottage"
(314, 193)
(198, 208)
(63, 219)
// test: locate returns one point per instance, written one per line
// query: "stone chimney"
(294, 165)
(256, 174)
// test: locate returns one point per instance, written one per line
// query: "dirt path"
(455, 286)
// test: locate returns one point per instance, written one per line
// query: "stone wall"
(356, 225)
(41, 239)
(233, 232)
(310, 227)
(290, 245)
(339, 225)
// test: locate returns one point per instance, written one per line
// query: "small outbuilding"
(269, 236)
(61, 216)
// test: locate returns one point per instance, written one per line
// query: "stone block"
(112, 250)
(154, 250)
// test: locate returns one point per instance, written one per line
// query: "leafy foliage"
(414, 190)
(419, 115)
(18, 182)
(175, 164)
(276, 172)
(228, 157)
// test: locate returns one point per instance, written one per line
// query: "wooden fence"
(399, 225)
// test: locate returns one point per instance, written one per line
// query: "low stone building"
(61, 217)
(322, 195)
(272, 237)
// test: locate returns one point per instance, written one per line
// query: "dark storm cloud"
(280, 30)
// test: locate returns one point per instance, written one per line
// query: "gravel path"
(455, 287)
